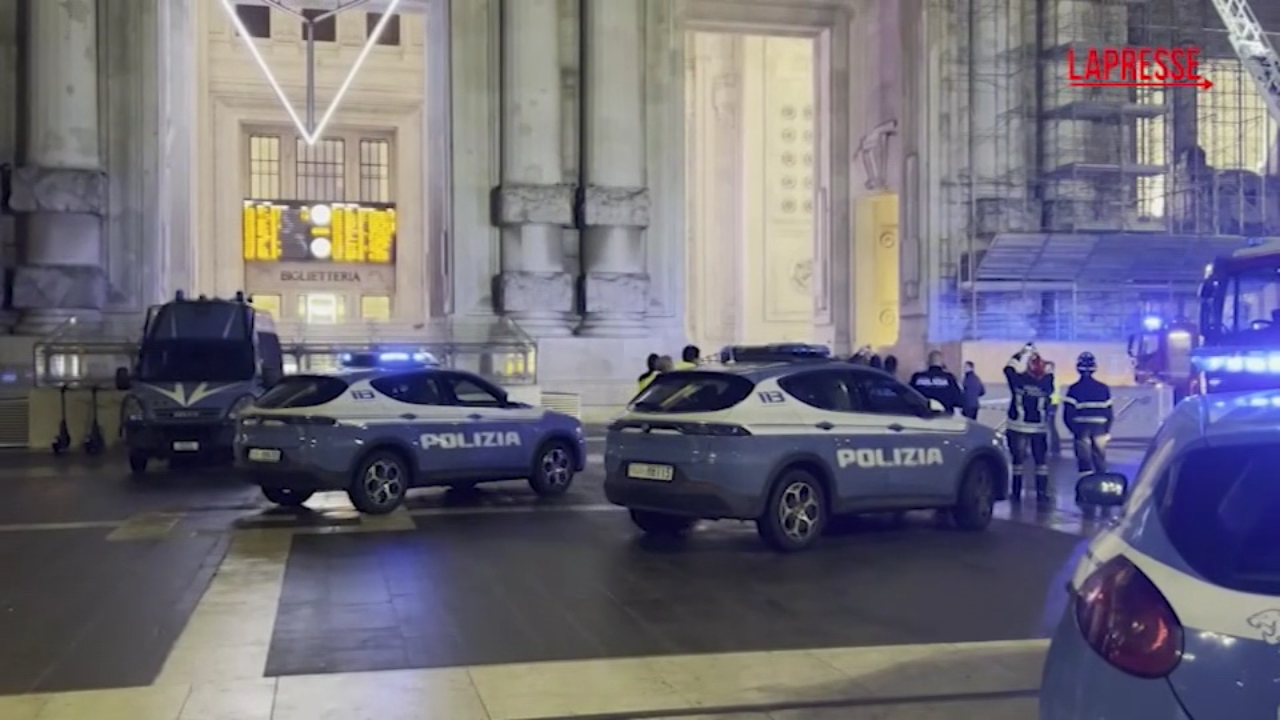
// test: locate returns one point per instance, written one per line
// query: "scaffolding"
(1128, 192)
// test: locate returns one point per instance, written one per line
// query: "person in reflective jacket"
(1030, 387)
(936, 383)
(1088, 415)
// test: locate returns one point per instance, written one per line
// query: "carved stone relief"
(789, 127)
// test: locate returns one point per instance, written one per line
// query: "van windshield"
(692, 391)
(189, 360)
(1219, 507)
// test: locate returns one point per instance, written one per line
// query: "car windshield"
(196, 361)
(1219, 507)
(302, 391)
(689, 392)
(1249, 302)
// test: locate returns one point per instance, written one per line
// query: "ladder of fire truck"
(1254, 49)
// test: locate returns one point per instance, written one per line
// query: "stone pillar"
(613, 209)
(61, 189)
(533, 205)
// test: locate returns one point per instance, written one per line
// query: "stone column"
(533, 205)
(613, 207)
(60, 190)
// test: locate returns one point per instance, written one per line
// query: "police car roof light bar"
(779, 352)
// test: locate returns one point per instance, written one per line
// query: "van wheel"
(663, 524)
(287, 497)
(973, 509)
(138, 463)
(380, 483)
(552, 471)
(796, 512)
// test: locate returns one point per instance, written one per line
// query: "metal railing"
(1119, 413)
(81, 353)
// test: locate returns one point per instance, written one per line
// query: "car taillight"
(1125, 619)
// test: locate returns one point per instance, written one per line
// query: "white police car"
(1175, 611)
(787, 437)
(376, 431)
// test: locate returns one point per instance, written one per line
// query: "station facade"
(608, 178)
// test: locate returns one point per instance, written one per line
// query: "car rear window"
(1219, 508)
(302, 391)
(692, 391)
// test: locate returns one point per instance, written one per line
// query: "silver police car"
(790, 444)
(378, 432)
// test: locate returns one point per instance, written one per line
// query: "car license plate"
(186, 446)
(264, 455)
(646, 471)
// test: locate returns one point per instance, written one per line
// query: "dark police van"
(200, 363)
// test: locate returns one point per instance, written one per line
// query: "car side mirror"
(123, 382)
(936, 407)
(1102, 489)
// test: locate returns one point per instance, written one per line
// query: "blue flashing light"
(1152, 323)
(1265, 362)
(389, 359)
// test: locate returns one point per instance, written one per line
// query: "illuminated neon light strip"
(310, 135)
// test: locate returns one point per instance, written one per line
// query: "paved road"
(192, 578)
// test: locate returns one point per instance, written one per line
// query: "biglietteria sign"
(1156, 67)
(310, 132)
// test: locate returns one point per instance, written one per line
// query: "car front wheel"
(795, 513)
(974, 505)
(138, 463)
(553, 469)
(380, 483)
(663, 524)
(287, 497)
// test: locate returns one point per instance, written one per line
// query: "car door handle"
(824, 425)
(896, 427)
(475, 416)
(408, 416)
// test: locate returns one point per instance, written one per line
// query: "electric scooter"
(94, 442)
(63, 440)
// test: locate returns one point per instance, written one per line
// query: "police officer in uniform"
(936, 383)
(1087, 413)
(1030, 387)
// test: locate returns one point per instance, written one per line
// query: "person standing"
(650, 373)
(936, 383)
(973, 390)
(891, 365)
(1030, 385)
(689, 358)
(1088, 415)
(1055, 400)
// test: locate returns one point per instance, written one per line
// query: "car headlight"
(132, 409)
(239, 406)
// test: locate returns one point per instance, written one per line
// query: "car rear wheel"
(287, 497)
(380, 483)
(138, 463)
(553, 469)
(973, 510)
(795, 513)
(656, 523)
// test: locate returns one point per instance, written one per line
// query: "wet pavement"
(191, 578)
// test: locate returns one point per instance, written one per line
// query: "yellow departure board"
(306, 232)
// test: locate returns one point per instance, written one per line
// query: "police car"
(376, 430)
(1175, 611)
(786, 437)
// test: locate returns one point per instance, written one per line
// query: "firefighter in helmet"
(1087, 413)
(1030, 387)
